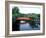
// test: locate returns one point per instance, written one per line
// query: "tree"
(15, 11)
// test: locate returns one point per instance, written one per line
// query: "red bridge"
(23, 18)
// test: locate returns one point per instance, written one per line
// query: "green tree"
(15, 11)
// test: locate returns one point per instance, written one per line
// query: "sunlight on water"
(22, 21)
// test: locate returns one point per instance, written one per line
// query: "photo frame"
(25, 10)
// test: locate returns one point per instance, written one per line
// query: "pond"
(25, 26)
(28, 26)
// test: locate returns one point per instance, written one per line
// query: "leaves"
(16, 13)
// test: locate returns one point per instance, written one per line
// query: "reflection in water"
(28, 26)
(25, 26)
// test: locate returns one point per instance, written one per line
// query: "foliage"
(16, 13)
